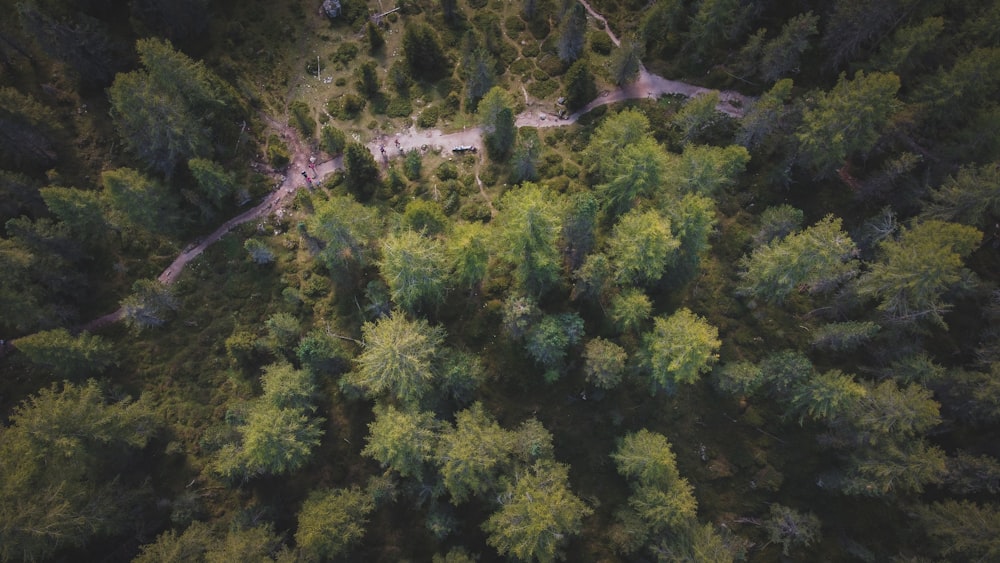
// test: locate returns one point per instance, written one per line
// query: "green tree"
(323, 353)
(826, 396)
(199, 542)
(425, 217)
(496, 116)
(137, 201)
(399, 358)
(214, 182)
(843, 336)
(698, 117)
(572, 35)
(423, 53)
(58, 459)
(580, 87)
(288, 388)
(660, 496)
(626, 61)
(27, 131)
(345, 232)
(331, 521)
(629, 309)
(258, 251)
(376, 40)
(67, 355)
(524, 160)
(782, 55)
(332, 139)
(367, 82)
(790, 528)
(468, 252)
(283, 329)
(962, 528)
(171, 110)
(640, 170)
(817, 258)
(705, 170)
(481, 75)
(846, 120)
(536, 514)
(917, 268)
(766, 116)
(640, 247)
(972, 196)
(715, 23)
(776, 223)
(415, 268)
(902, 52)
(679, 349)
(604, 363)
(692, 221)
(278, 440)
(739, 378)
(612, 137)
(471, 455)
(150, 305)
(361, 175)
(527, 232)
(548, 341)
(403, 441)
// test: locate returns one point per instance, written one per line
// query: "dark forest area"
(487, 280)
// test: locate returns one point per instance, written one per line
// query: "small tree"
(548, 342)
(67, 355)
(679, 349)
(402, 441)
(471, 455)
(604, 363)
(361, 175)
(258, 251)
(790, 528)
(640, 247)
(536, 514)
(150, 305)
(580, 86)
(399, 358)
(414, 267)
(331, 521)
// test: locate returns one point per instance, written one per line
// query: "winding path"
(647, 85)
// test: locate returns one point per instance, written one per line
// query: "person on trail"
(312, 165)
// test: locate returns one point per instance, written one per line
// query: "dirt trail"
(386, 147)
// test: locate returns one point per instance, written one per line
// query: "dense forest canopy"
(460, 280)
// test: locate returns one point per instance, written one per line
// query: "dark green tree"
(151, 304)
(58, 459)
(171, 110)
(580, 87)
(67, 355)
(626, 61)
(471, 455)
(28, 131)
(817, 259)
(918, 268)
(423, 52)
(782, 55)
(963, 528)
(361, 174)
(846, 120)
(572, 33)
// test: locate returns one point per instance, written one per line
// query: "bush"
(522, 67)
(302, 118)
(332, 139)
(600, 43)
(476, 4)
(277, 152)
(399, 106)
(543, 88)
(514, 25)
(425, 217)
(447, 171)
(551, 65)
(347, 106)
(412, 164)
(530, 50)
(344, 54)
(428, 118)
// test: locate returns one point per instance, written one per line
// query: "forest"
(487, 280)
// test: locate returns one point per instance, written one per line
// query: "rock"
(331, 8)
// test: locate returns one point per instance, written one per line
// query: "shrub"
(447, 171)
(302, 118)
(428, 118)
(277, 152)
(399, 106)
(600, 43)
(332, 139)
